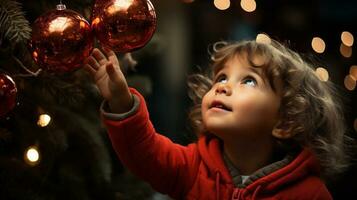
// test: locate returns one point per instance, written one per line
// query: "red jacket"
(197, 171)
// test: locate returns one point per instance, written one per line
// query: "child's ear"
(282, 132)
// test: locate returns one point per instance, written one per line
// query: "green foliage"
(14, 27)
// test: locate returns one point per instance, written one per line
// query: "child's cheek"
(254, 106)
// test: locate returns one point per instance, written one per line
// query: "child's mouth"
(220, 105)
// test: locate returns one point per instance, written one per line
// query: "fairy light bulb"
(43, 120)
(32, 156)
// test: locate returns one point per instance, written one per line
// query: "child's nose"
(223, 88)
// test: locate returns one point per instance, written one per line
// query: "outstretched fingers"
(99, 56)
(113, 73)
(90, 69)
(111, 56)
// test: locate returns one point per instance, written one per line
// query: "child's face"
(240, 101)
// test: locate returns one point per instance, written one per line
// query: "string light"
(263, 38)
(43, 120)
(32, 156)
(318, 45)
(350, 82)
(345, 51)
(322, 74)
(222, 4)
(347, 38)
(248, 5)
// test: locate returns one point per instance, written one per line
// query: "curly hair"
(310, 108)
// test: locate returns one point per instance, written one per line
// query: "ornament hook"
(61, 6)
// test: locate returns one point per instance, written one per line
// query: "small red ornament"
(61, 40)
(8, 93)
(123, 25)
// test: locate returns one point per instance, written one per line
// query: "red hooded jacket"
(197, 171)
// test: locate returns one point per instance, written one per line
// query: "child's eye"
(250, 81)
(221, 79)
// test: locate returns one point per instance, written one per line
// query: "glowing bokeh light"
(263, 38)
(350, 82)
(248, 5)
(322, 74)
(318, 45)
(32, 156)
(347, 38)
(345, 51)
(222, 4)
(43, 120)
(353, 71)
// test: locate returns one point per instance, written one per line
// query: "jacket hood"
(304, 164)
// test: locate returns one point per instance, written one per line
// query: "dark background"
(77, 159)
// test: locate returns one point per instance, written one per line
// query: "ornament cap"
(61, 6)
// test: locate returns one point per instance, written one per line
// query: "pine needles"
(14, 27)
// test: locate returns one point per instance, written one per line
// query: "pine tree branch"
(30, 73)
(14, 28)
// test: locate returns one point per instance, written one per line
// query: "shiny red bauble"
(61, 40)
(123, 25)
(8, 93)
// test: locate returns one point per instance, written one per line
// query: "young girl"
(268, 128)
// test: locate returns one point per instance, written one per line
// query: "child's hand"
(110, 80)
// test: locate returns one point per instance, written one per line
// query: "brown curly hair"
(309, 107)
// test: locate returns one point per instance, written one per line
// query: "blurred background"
(53, 144)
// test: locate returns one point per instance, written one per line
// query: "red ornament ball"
(61, 40)
(8, 93)
(123, 25)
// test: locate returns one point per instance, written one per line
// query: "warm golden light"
(248, 5)
(322, 74)
(345, 51)
(35, 55)
(120, 5)
(123, 4)
(263, 38)
(43, 120)
(32, 156)
(222, 4)
(95, 21)
(347, 38)
(353, 71)
(318, 44)
(350, 82)
(59, 24)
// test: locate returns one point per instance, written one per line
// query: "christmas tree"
(52, 143)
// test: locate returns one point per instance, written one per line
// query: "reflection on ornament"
(8, 93)
(123, 25)
(61, 40)
(59, 24)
